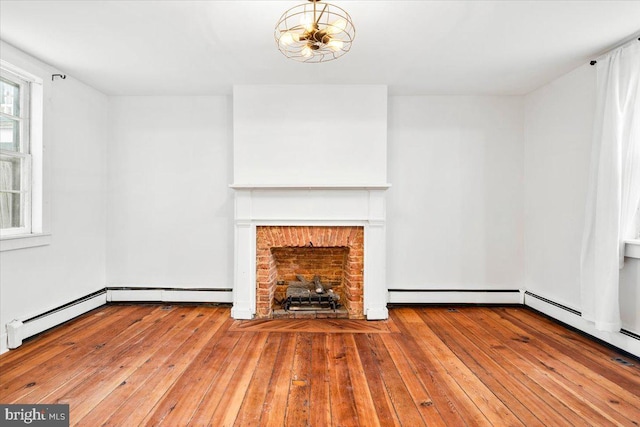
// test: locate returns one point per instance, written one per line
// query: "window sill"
(11, 243)
(632, 249)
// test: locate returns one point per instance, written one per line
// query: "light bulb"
(307, 21)
(335, 45)
(307, 52)
(337, 26)
(288, 38)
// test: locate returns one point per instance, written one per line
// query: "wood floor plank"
(47, 340)
(594, 359)
(365, 406)
(404, 406)
(299, 398)
(343, 408)
(275, 402)
(156, 388)
(571, 364)
(517, 399)
(577, 399)
(127, 389)
(219, 384)
(81, 386)
(589, 348)
(252, 405)
(97, 386)
(74, 366)
(428, 371)
(227, 411)
(23, 380)
(623, 409)
(177, 405)
(36, 359)
(320, 397)
(409, 374)
(549, 409)
(465, 399)
(384, 407)
(126, 365)
(569, 404)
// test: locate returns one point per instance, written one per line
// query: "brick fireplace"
(289, 225)
(334, 254)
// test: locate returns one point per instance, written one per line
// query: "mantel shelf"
(310, 187)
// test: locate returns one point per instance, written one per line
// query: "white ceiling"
(415, 47)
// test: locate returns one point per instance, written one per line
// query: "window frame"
(38, 210)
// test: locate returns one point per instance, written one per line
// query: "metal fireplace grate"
(305, 295)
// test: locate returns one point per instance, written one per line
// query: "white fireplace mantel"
(312, 205)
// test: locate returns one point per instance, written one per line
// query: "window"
(24, 212)
(15, 155)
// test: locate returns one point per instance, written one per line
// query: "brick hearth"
(336, 254)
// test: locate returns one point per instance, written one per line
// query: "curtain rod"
(594, 62)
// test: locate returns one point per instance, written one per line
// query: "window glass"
(9, 97)
(11, 198)
(9, 134)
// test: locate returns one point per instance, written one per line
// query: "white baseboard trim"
(241, 313)
(406, 296)
(379, 313)
(573, 318)
(169, 295)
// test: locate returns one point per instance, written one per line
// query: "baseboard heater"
(625, 341)
(19, 330)
(555, 304)
(455, 296)
(141, 294)
(573, 311)
(630, 334)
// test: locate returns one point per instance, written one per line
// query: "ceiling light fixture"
(316, 32)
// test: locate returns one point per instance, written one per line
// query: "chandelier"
(314, 32)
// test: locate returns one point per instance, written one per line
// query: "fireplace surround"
(271, 218)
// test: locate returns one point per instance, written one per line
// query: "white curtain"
(614, 184)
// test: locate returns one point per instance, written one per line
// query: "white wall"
(558, 134)
(170, 208)
(34, 280)
(558, 130)
(455, 209)
(310, 134)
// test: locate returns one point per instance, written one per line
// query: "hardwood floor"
(135, 365)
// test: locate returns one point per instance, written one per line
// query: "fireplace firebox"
(332, 257)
